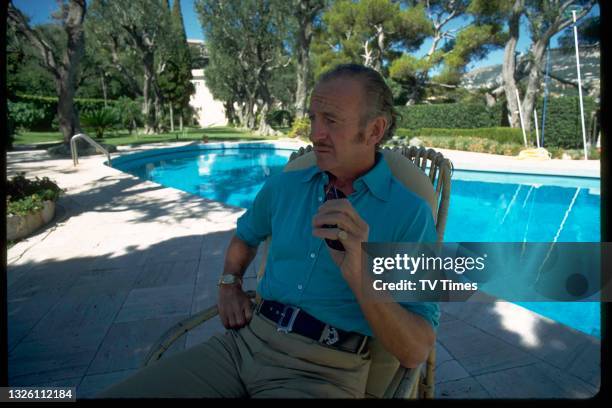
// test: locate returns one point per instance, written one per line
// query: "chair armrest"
(171, 335)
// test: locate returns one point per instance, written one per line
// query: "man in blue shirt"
(309, 335)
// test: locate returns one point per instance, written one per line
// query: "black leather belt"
(293, 319)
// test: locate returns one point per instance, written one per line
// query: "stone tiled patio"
(125, 259)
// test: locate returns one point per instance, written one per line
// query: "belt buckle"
(286, 328)
(329, 336)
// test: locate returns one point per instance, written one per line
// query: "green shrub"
(563, 124)
(280, 118)
(300, 128)
(41, 111)
(450, 116)
(99, 120)
(499, 134)
(24, 196)
(129, 113)
(25, 206)
(28, 115)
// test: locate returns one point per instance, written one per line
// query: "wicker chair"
(387, 379)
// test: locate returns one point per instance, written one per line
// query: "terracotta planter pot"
(20, 226)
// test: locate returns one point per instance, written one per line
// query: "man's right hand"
(235, 307)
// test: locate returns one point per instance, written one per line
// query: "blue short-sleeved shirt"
(299, 270)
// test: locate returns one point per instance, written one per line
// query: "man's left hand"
(341, 213)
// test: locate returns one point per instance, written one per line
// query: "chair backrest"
(409, 165)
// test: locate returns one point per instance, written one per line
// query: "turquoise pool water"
(485, 206)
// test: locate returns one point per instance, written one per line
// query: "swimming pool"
(486, 206)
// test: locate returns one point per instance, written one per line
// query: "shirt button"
(312, 255)
(300, 287)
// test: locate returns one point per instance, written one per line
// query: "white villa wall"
(210, 112)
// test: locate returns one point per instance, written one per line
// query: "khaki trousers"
(255, 361)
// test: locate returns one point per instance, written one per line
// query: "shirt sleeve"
(255, 224)
(423, 229)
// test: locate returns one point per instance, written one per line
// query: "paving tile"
(126, 344)
(446, 317)
(42, 279)
(530, 332)
(157, 274)
(25, 312)
(18, 329)
(479, 352)
(537, 335)
(80, 312)
(152, 303)
(587, 365)
(464, 388)
(15, 272)
(104, 280)
(210, 268)
(178, 249)
(63, 377)
(72, 353)
(540, 380)
(119, 259)
(205, 296)
(442, 354)
(92, 385)
(450, 370)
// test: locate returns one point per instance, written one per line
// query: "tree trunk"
(368, 60)
(172, 117)
(159, 113)
(305, 13)
(104, 89)
(533, 84)
(249, 114)
(64, 71)
(302, 68)
(230, 113)
(148, 111)
(380, 43)
(67, 117)
(509, 65)
(181, 123)
(264, 128)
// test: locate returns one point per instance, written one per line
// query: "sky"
(40, 12)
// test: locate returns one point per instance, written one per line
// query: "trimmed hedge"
(563, 127)
(499, 134)
(39, 113)
(450, 116)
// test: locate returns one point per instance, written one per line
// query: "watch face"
(228, 279)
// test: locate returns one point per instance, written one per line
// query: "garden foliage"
(450, 116)
(563, 128)
(39, 112)
(99, 120)
(24, 196)
(499, 134)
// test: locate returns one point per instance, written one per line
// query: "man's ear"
(376, 130)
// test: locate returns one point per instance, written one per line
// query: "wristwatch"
(229, 279)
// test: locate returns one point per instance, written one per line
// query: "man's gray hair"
(377, 94)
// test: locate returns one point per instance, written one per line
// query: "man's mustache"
(322, 145)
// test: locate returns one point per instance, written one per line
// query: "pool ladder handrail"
(74, 152)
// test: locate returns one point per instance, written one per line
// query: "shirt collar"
(377, 180)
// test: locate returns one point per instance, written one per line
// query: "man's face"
(336, 107)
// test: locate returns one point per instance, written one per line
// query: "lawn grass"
(121, 138)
